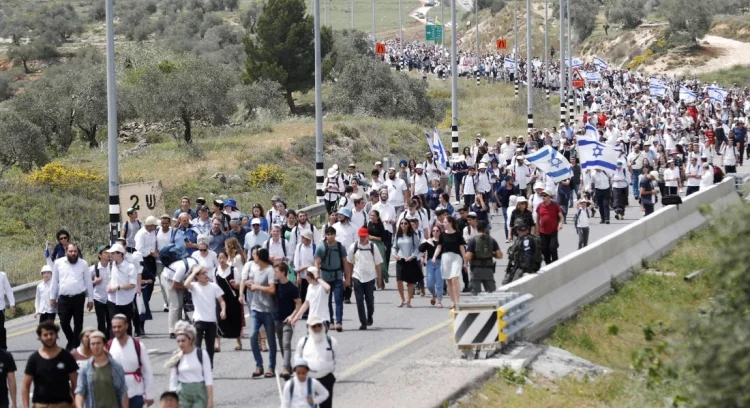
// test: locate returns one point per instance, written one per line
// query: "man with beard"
(398, 193)
(319, 350)
(53, 370)
(71, 286)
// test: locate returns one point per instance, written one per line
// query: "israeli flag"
(438, 150)
(510, 64)
(599, 63)
(47, 255)
(577, 62)
(596, 155)
(593, 76)
(655, 81)
(717, 94)
(687, 95)
(591, 134)
(551, 163)
(657, 91)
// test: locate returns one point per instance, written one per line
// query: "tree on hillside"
(494, 5)
(187, 89)
(14, 25)
(282, 51)
(250, 16)
(629, 13)
(718, 350)
(688, 20)
(23, 143)
(57, 21)
(348, 44)
(37, 49)
(582, 16)
(6, 87)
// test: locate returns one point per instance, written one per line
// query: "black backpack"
(370, 249)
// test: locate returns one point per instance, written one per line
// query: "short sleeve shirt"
(262, 302)
(646, 185)
(51, 382)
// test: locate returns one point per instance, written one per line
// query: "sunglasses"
(62, 238)
(317, 326)
(204, 250)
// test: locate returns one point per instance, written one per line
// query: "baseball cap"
(307, 235)
(314, 319)
(313, 271)
(363, 232)
(101, 249)
(472, 214)
(255, 221)
(116, 248)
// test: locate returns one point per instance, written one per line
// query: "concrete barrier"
(562, 288)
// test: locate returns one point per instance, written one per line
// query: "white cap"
(46, 268)
(419, 166)
(482, 165)
(116, 248)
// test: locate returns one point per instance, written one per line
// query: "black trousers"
(3, 340)
(549, 247)
(43, 317)
(328, 381)
(691, 190)
(126, 310)
(103, 318)
(71, 308)
(303, 292)
(363, 291)
(207, 330)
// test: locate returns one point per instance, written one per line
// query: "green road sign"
(429, 32)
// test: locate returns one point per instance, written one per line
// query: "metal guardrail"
(316, 212)
(25, 292)
(741, 183)
(484, 324)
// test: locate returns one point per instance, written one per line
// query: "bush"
(265, 175)
(6, 88)
(261, 98)
(63, 178)
(629, 13)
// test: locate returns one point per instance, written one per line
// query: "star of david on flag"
(596, 155)
(552, 163)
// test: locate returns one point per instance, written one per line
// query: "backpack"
(309, 388)
(327, 274)
(483, 254)
(200, 360)
(171, 254)
(283, 245)
(356, 248)
(330, 346)
(137, 352)
(126, 226)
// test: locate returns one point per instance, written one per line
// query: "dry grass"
(647, 300)
(736, 27)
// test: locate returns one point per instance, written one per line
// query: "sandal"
(270, 374)
(401, 304)
(238, 347)
(432, 301)
(439, 305)
(217, 350)
(258, 373)
(408, 305)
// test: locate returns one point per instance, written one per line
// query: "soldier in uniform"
(520, 254)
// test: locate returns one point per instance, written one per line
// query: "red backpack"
(138, 374)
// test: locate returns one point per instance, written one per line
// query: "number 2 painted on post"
(135, 204)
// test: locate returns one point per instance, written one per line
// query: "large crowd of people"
(224, 270)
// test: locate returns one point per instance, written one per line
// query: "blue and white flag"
(47, 254)
(717, 94)
(595, 155)
(510, 64)
(687, 95)
(600, 64)
(655, 81)
(551, 163)
(657, 91)
(438, 150)
(591, 134)
(577, 62)
(593, 76)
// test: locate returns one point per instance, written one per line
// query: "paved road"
(405, 346)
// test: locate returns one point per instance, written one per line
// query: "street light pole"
(476, 21)
(563, 110)
(529, 70)
(374, 39)
(442, 23)
(454, 83)
(570, 69)
(401, 34)
(515, 46)
(319, 170)
(351, 14)
(546, 51)
(112, 158)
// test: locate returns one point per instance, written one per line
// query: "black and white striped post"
(318, 106)
(562, 80)
(478, 80)
(112, 159)
(570, 107)
(529, 70)
(454, 83)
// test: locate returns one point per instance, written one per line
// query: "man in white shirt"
(602, 184)
(620, 183)
(100, 275)
(671, 178)
(693, 173)
(302, 226)
(303, 391)
(255, 237)
(163, 236)
(413, 212)
(304, 258)
(132, 355)
(522, 174)
(386, 210)
(121, 290)
(71, 286)
(507, 150)
(398, 193)
(468, 188)
(365, 258)
(130, 227)
(346, 234)
(483, 183)
(635, 163)
(612, 134)
(316, 298)
(419, 182)
(359, 216)
(5, 291)
(431, 168)
(319, 350)
(276, 246)
(145, 245)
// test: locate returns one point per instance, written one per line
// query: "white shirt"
(429, 170)
(120, 275)
(671, 176)
(359, 218)
(695, 170)
(299, 399)
(583, 217)
(523, 175)
(636, 159)
(6, 291)
(707, 180)
(71, 279)
(387, 213)
(128, 359)
(420, 182)
(469, 188)
(202, 226)
(204, 300)
(396, 188)
(345, 234)
(483, 182)
(365, 260)
(304, 256)
(145, 242)
(210, 262)
(100, 290)
(318, 355)
(163, 238)
(296, 233)
(729, 155)
(317, 298)
(469, 232)
(601, 180)
(276, 248)
(189, 370)
(41, 302)
(621, 178)
(177, 271)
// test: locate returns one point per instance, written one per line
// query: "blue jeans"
(434, 279)
(264, 319)
(136, 402)
(563, 198)
(634, 182)
(336, 294)
(505, 221)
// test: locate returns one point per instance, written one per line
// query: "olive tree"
(23, 143)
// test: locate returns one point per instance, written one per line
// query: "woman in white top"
(205, 294)
(581, 221)
(707, 179)
(206, 257)
(190, 374)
